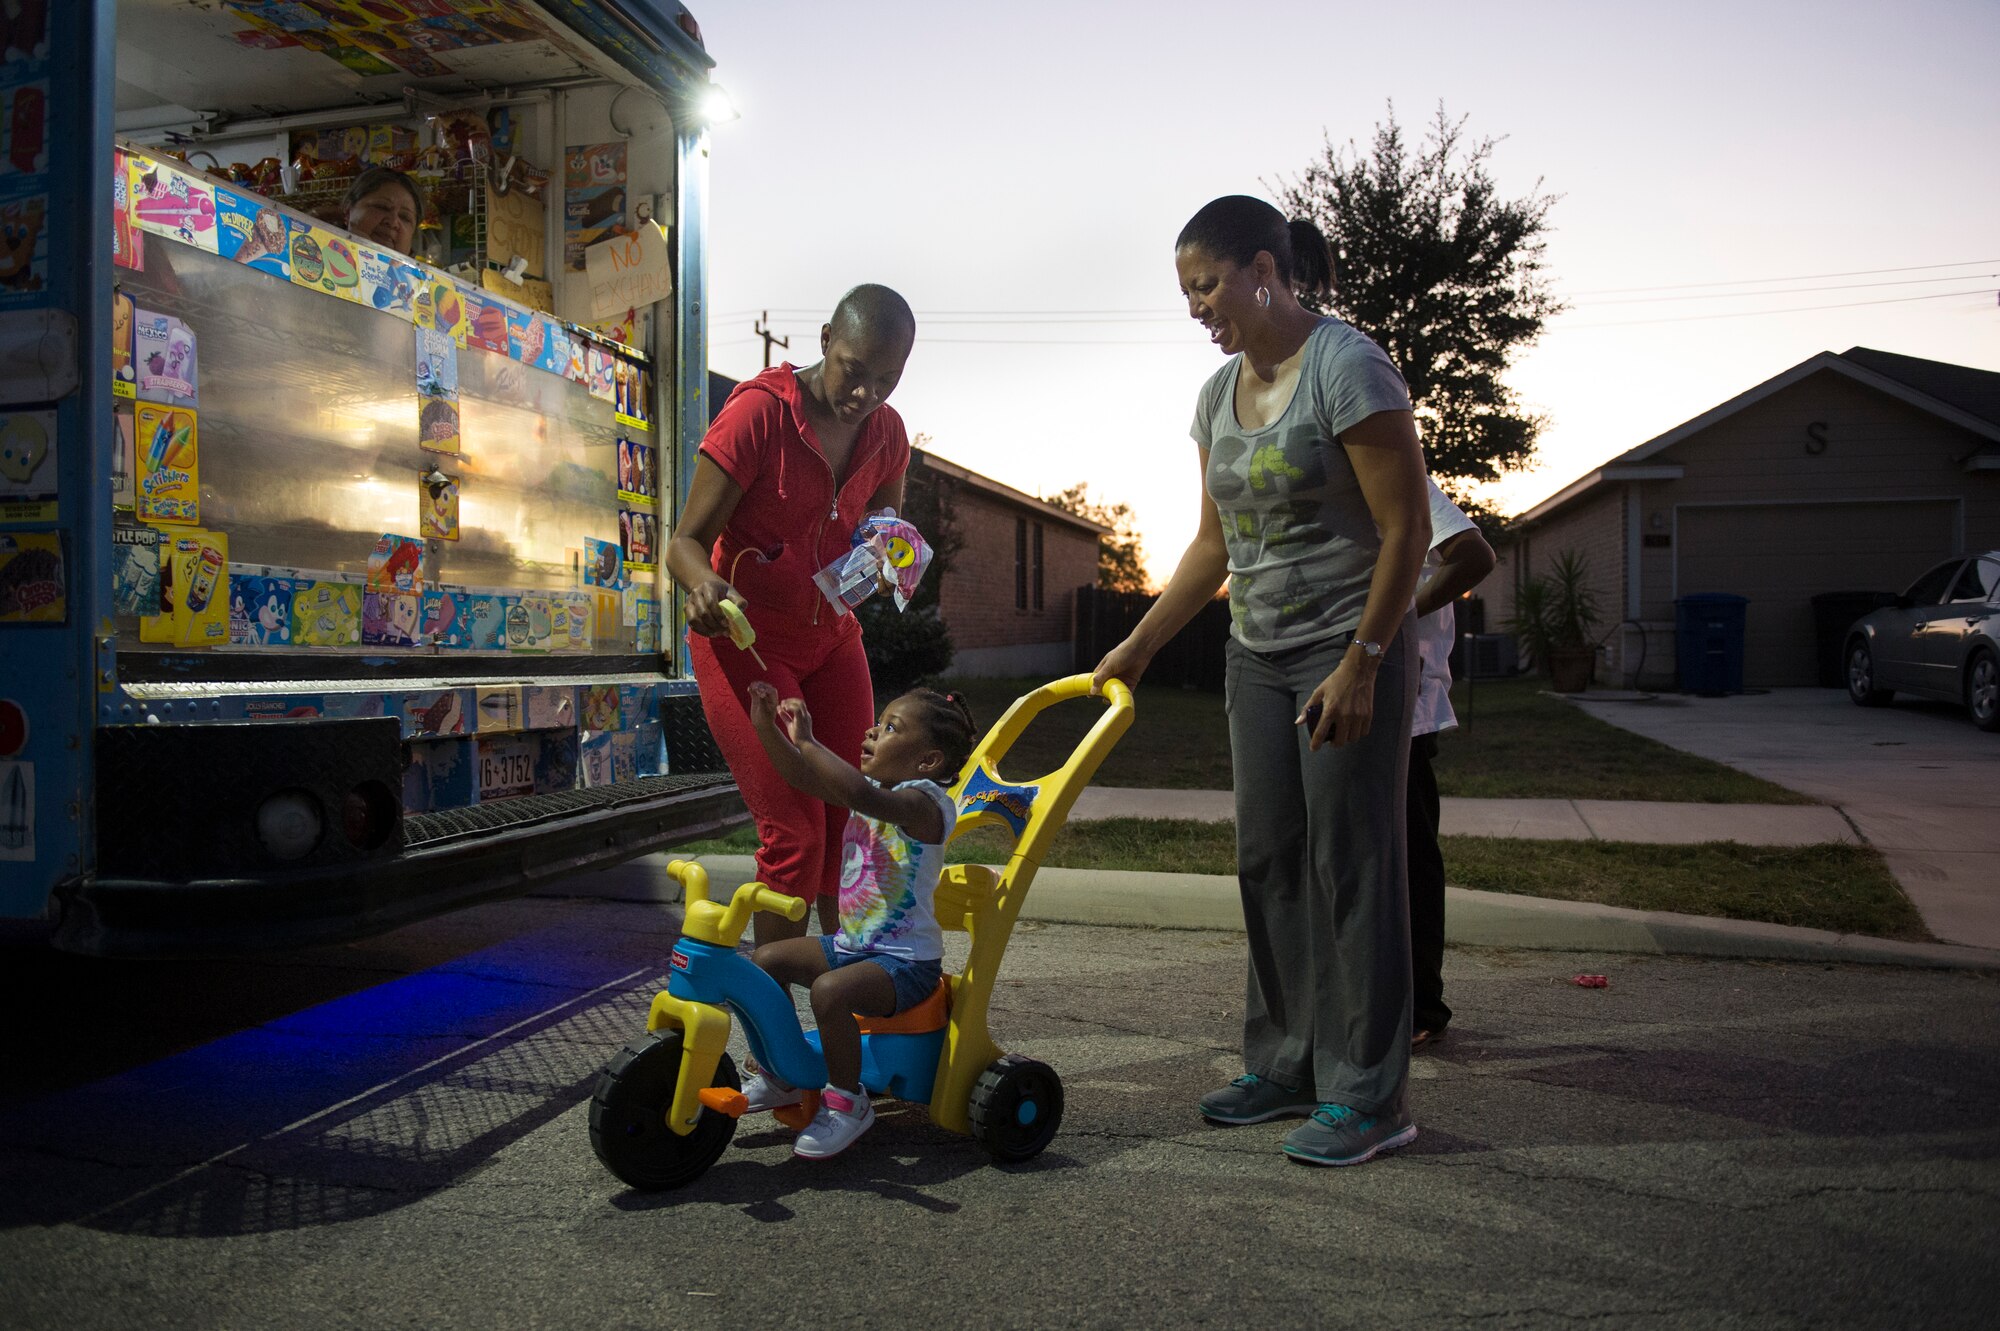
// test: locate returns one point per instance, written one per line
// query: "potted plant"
(1553, 618)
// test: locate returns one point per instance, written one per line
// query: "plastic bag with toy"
(886, 553)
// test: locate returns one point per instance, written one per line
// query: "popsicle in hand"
(740, 631)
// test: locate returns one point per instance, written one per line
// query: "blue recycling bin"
(1708, 642)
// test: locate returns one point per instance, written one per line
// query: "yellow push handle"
(792, 908)
(692, 878)
(1117, 716)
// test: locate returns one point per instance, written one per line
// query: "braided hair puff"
(948, 722)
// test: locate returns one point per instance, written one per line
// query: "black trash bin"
(1708, 642)
(1833, 614)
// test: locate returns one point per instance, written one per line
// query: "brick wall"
(977, 597)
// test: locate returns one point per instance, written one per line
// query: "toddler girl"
(888, 955)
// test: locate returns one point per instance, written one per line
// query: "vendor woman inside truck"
(383, 206)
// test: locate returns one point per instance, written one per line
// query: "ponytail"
(1312, 261)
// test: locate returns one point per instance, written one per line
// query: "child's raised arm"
(785, 730)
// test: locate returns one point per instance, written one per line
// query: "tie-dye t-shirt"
(887, 878)
(1302, 543)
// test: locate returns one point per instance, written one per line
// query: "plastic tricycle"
(666, 1105)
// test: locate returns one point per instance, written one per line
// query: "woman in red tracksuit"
(794, 460)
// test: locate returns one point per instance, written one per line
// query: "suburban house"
(1009, 597)
(1850, 472)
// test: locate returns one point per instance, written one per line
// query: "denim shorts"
(914, 980)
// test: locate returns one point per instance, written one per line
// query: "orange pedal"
(724, 1101)
(798, 1116)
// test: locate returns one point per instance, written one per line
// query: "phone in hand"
(1311, 719)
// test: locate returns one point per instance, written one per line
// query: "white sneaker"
(765, 1091)
(842, 1117)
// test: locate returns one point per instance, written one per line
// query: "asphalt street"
(394, 1134)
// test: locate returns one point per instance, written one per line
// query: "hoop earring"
(1263, 298)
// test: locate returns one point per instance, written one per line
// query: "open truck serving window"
(330, 587)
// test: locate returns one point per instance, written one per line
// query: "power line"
(1564, 328)
(1792, 291)
(1790, 309)
(1803, 277)
(1554, 326)
(1155, 313)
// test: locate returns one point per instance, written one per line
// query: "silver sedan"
(1941, 639)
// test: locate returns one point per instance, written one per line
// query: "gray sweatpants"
(1321, 859)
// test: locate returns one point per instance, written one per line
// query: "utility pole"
(763, 328)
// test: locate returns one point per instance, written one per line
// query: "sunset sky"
(1742, 186)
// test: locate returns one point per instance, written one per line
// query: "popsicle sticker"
(388, 284)
(343, 274)
(253, 233)
(437, 504)
(309, 255)
(396, 564)
(437, 391)
(169, 464)
(170, 203)
(163, 349)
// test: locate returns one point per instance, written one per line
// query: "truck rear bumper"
(449, 860)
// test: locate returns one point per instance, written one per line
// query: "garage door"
(1782, 555)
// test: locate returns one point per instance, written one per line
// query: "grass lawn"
(1843, 888)
(1519, 744)
(1847, 889)
(1179, 738)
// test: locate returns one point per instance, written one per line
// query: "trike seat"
(930, 1015)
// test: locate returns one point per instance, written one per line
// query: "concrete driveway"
(1916, 779)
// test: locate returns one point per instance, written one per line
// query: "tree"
(907, 647)
(1121, 563)
(1447, 276)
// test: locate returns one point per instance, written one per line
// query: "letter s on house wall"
(1816, 438)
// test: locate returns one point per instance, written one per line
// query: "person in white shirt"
(1459, 559)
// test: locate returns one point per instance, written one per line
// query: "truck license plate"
(506, 768)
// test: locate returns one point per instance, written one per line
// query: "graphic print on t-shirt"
(887, 878)
(1272, 494)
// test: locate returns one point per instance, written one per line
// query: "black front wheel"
(1017, 1105)
(1861, 676)
(1982, 690)
(628, 1116)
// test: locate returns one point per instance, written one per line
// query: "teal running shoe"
(1254, 1099)
(1342, 1135)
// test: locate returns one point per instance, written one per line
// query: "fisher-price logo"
(678, 961)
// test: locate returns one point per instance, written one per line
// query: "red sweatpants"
(800, 854)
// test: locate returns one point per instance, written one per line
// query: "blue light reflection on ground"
(422, 1093)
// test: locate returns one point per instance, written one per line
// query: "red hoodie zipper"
(832, 512)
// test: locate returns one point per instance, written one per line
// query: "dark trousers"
(1321, 869)
(1426, 890)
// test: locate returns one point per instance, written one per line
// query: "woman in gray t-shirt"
(1314, 508)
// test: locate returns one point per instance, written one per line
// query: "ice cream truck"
(330, 581)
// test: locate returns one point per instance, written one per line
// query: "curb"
(1124, 898)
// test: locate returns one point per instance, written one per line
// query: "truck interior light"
(716, 106)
